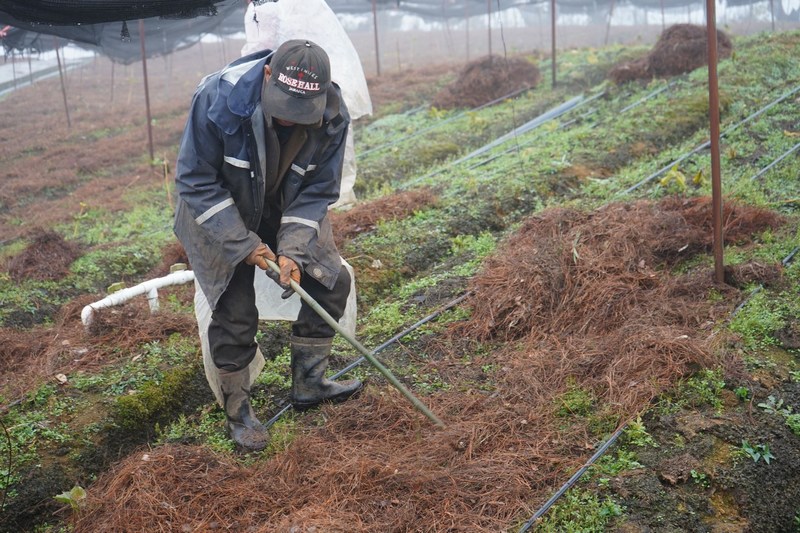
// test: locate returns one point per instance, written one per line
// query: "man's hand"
(289, 271)
(259, 256)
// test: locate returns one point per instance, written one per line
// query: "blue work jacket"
(231, 168)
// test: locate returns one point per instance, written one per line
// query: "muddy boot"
(242, 424)
(310, 387)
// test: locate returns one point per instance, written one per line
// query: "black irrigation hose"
(706, 144)
(357, 362)
(566, 486)
(781, 158)
(549, 115)
(606, 445)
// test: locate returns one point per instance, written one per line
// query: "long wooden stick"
(360, 347)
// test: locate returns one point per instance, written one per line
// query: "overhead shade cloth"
(119, 39)
(61, 12)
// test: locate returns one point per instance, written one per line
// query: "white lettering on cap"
(298, 85)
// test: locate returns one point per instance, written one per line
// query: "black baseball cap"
(297, 88)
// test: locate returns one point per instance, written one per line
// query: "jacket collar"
(238, 91)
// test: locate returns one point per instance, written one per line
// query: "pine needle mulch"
(573, 301)
(29, 357)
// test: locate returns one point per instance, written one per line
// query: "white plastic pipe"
(150, 288)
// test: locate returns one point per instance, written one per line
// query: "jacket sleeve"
(218, 224)
(302, 219)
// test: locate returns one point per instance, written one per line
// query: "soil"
(698, 480)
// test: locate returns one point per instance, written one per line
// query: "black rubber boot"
(310, 387)
(242, 424)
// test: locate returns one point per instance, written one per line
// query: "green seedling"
(743, 393)
(775, 406)
(756, 452)
(73, 497)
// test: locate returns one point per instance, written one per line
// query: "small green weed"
(743, 393)
(580, 510)
(704, 388)
(277, 372)
(775, 406)
(637, 435)
(612, 465)
(574, 402)
(793, 421)
(756, 451)
(757, 322)
(74, 497)
(700, 478)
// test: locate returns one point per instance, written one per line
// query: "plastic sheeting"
(268, 24)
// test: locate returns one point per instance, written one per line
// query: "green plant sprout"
(73, 497)
(700, 478)
(775, 406)
(637, 434)
(743, 393)
(756, 452)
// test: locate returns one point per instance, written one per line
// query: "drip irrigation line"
(573, 121)
(380, 348)
(552, 114)
(443, 122)
(781, 158)
(575, 477)
(706, 144)
(647, 97)
(606, 445)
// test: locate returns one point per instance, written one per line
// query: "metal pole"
(466, 20)
(30, 67)
(375, 31)
(489, 23)
(608, 23)
(63, 86)
(553, 39)
(713, 112)
(13, 70)
(772, 13)
(146, 92)
(358, 346)
(112, 80)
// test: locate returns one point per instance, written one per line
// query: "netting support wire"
(706, 144)
(575, 477)
(380, 348)
(781, 158)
